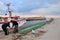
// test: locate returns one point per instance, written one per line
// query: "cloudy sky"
(32, 7)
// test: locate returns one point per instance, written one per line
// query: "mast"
(9, 11)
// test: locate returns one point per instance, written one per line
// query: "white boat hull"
(20, 24)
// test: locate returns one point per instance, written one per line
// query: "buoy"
(33, 32)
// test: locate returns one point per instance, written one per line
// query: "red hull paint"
(14, 20)
(1, 22)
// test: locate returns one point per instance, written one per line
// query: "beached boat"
(7, 18)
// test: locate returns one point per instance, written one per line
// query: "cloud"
(52, 9)
(1, 3)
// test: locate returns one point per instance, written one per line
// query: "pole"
(8, 5)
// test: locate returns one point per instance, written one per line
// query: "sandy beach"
(52, 33)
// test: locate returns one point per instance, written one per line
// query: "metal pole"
(8, 5)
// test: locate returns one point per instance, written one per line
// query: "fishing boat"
(7, 18)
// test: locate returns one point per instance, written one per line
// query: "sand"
(53, 32)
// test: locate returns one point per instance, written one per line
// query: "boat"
(7, 18)
(4, 18)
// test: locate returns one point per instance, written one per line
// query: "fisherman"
(15, 26)
(4, 27)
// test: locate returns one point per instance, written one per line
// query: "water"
(29, 23)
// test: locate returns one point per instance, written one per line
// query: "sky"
(31, 7)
